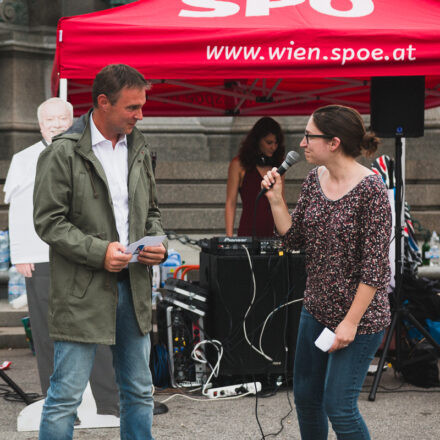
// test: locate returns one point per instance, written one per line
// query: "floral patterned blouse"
(346, 242)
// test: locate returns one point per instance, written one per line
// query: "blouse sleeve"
(294, 238)
(376, 232)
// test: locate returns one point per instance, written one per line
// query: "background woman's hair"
(250, 151)
(346, 123)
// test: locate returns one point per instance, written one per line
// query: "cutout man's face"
(55, 119)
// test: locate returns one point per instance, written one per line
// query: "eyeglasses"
(309, 136)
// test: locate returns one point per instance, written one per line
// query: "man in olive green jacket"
(95, 193)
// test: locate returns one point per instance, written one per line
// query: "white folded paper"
(325, 340)
(137, 246)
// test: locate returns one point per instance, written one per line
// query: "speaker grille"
(397, 106)
(228, 279)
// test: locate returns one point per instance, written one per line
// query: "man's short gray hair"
(68, 105)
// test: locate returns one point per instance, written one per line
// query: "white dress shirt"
(115, 164)
(26, 246)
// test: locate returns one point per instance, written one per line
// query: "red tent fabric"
(252, 57)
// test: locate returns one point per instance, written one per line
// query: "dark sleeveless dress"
(249, 190)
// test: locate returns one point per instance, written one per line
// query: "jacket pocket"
(81, 281)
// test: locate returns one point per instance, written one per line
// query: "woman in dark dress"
(343, 222)
(262, 149)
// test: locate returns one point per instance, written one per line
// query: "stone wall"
(25, 67)
(27, 48)
(193, 153)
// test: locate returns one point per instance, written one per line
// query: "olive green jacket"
(73, 213)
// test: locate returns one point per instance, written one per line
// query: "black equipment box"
(235, 245)
(279, 279)
(180, 330)
(188, 296)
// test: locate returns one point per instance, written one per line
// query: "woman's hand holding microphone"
(273, 187)
(272, 184)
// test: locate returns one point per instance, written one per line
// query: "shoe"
(159, 408)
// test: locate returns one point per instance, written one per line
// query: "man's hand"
(151, 255)
(25, 269)
(115, 257)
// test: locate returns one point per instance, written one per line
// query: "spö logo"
(255, 8)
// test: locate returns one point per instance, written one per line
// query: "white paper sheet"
(137, 246)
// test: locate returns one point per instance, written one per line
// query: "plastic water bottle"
(434, 250)
(16, 288)
(168, 267)
(4, 250)
(156, 278)
(425, 250)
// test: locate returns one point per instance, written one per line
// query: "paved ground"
(407, 413)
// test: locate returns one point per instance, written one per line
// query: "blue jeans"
(73, 363)
(327, 386)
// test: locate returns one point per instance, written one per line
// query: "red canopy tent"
(252, 57)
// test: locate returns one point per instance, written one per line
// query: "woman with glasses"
(343, 222)
(262, 149)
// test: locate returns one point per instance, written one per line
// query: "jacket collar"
(80, 132)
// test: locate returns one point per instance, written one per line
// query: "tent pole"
(63, 88)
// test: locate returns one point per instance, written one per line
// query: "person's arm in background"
(25, 269)
(232, 187)
(11, 187)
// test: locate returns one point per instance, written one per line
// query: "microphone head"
(291, 158)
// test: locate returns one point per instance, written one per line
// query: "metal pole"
(63, 88)
(395, 327)
(15, 387)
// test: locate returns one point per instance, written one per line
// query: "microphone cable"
(254, 293)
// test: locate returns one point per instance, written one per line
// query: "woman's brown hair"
(346, 123)
(250, 151)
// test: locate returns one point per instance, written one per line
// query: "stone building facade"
(193, 153)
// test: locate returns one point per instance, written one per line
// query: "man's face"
(55, 119)
(122, 116)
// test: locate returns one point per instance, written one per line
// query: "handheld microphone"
(291, 159)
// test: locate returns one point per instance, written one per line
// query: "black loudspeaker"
(278, 279)
(397, 106)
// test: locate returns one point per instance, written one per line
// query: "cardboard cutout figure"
(30, 255)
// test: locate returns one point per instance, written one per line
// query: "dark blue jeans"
(73, 363)
(327, 386)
